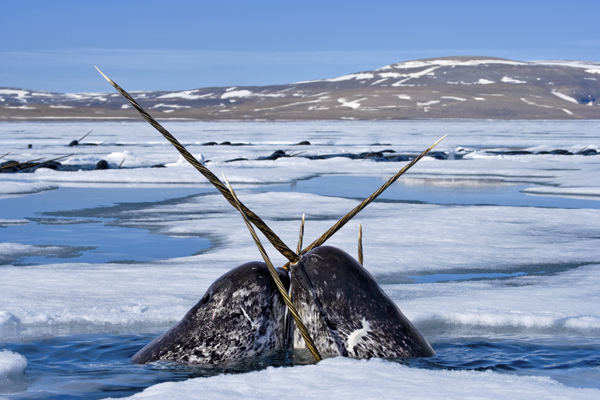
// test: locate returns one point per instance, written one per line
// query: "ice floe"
(12, 371)
(346, 378)
(20, 188)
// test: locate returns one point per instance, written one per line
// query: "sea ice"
(556, 248)
(342, 378)
(22, 188)
(12, 376)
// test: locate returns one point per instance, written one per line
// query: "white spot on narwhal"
(358, 334)
(217, 308)
(247, 317)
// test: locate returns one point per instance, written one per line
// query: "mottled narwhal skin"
(240, 316)
(347, 313)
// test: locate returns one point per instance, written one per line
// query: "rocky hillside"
(451, 87)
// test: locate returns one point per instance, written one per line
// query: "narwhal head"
(346, 311)
(239, 317)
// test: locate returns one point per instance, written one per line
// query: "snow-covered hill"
(450, 87)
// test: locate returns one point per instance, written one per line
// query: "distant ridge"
(461, 87)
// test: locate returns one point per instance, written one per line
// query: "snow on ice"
(342, 378)
(12, 367)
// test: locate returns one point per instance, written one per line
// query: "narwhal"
(241, 316)
(323, 299)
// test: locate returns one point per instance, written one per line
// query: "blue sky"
(173, 45)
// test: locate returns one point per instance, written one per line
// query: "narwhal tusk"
(360, 249)
(255, 219)
(84, 136)
(338, 225)
(300, 236)
(286, 298)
